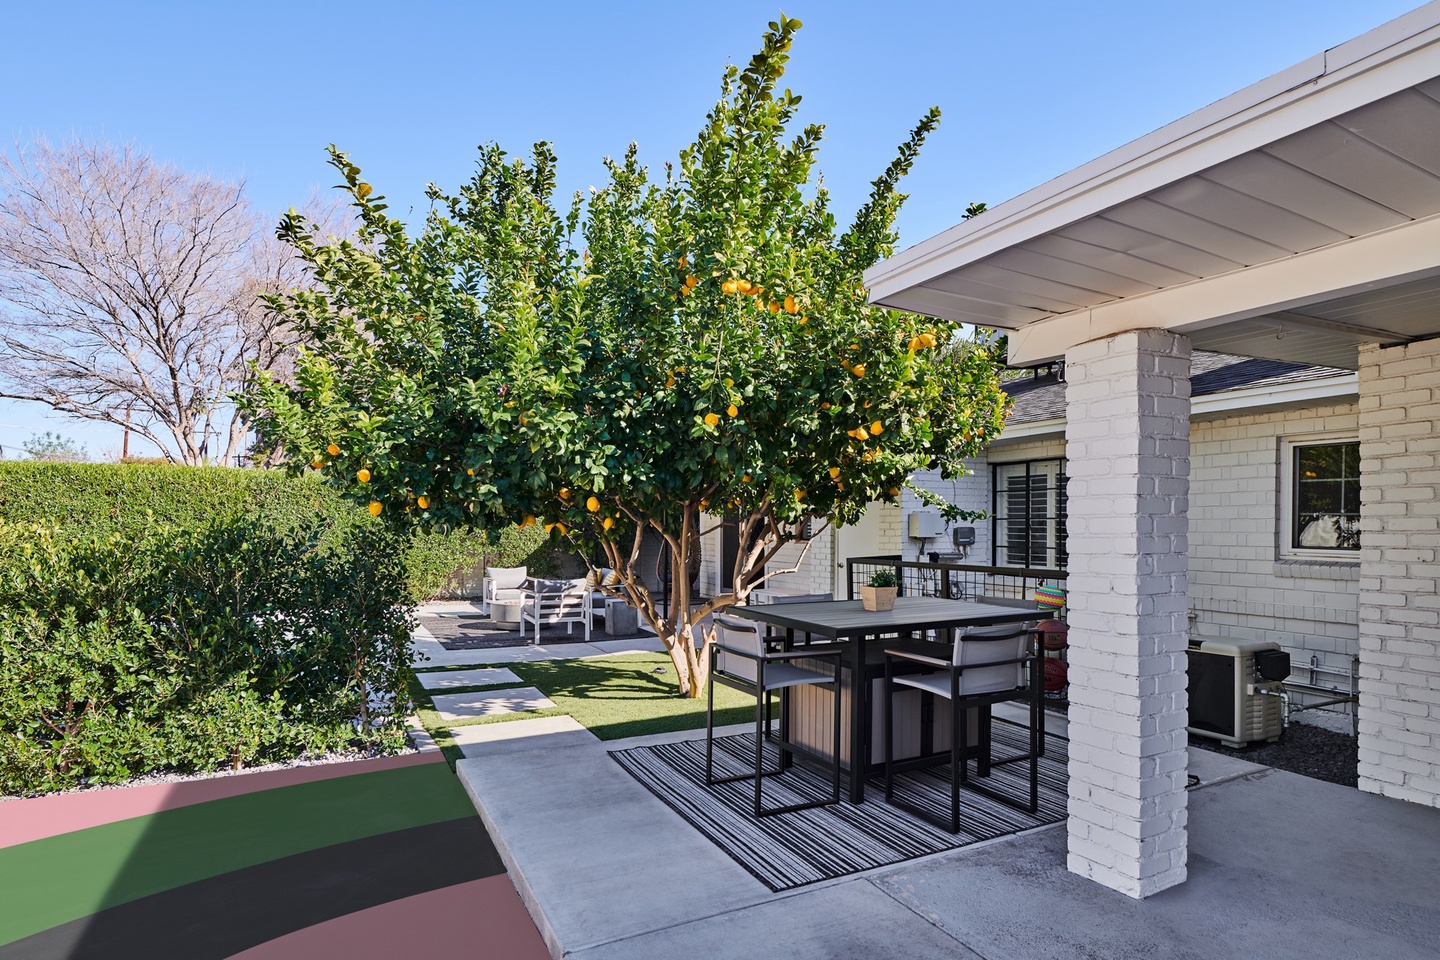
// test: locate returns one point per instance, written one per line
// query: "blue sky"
(256, 90)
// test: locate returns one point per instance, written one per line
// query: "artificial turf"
(51, 881)
(628, 695)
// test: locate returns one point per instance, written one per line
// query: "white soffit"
(1340, 147)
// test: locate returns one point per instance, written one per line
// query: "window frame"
(1285, 520)
(1056, 520)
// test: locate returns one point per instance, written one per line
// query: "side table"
(621, 619)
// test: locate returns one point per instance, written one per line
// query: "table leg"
(859, 715)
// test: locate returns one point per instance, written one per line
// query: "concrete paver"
(489, 739)
(489, 703)
(453, 679)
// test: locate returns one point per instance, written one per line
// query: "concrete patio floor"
(1280, 866)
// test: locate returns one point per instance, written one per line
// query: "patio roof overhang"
(1293, 220)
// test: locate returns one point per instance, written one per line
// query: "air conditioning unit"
(1227, 698)
(926, 525)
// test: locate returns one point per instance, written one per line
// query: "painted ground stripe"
(52, 881)
(482, 918)
(36, 818)
(217, 917)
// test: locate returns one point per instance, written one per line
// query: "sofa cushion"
(507, 578)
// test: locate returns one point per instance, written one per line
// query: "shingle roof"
(1043, 398)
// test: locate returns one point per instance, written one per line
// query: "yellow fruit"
(470, 473)
(316, 464)
(423, 502)
(549, 527)
(564, 493)
(825, 405)
(802, 321)
(609, 522)
(363, 476)
(743, 286)
(729, 286)
(915, 344)
(928, 339)
(834, 473)
(894, 491)
(333, 450)
(559, 525)
(745, 479)
(376, 507)
(799, 494)
(861, 433)
(593, 504)
(865, 405)
(670, 383)
(684, 261)
(791, 306)
(711, 419)
(528, 521)
(774, 307)
(733, 410)
(858, 369)
(876, 428)
(691, 281)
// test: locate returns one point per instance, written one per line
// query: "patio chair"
(551, 602)
(988, 665)
(740, 660)
(502, 584)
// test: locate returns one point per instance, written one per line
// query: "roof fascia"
(1393, 57)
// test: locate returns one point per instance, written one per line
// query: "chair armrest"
(919, 658)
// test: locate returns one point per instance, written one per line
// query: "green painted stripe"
(59, 879)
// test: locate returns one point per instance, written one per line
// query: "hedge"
(97, 500)
(237, 643)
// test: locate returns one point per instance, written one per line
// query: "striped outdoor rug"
(793, 849)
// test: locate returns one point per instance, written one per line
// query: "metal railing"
(954, 581)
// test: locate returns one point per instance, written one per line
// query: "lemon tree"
(659, 352)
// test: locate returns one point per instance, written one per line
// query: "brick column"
(1128, 457)
(1399, 577)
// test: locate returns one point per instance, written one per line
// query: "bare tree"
(128, 289)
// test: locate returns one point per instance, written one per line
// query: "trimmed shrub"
(95, 500)
(237, 643)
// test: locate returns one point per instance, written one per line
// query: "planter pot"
(878, 598)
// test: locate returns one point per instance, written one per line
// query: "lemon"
(743, 286)
(609, 522)
(729, 286)
(834, 473)
(876, 428)
(470, 473)
(316, 464)
(791, 306)
(424, 503)
(564, 493)
(711, 419)
(928, 339)
(376, 507)
(363, 476)
(774, 307)
(733, 410)
(593, 504)
(858, 369)
(333, 450)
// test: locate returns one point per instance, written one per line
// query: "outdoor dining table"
(847, 623)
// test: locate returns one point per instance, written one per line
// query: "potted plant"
(879, 593)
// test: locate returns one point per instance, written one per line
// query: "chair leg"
(835, 743)
(760, 721)
(889, 728)
(710, 732)
(959, 740)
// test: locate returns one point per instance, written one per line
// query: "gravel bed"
(1306, 749)
(150, 779)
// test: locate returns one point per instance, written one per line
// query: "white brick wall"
(1127, 442)
(1239, 585)
(1399, 576)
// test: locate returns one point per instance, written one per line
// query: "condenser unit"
(1233, 690)
(926, 525)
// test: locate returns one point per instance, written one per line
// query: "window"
(1029, 514)
(1322, 506)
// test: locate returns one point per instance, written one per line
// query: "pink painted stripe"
(38, 817)
(482, 918)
